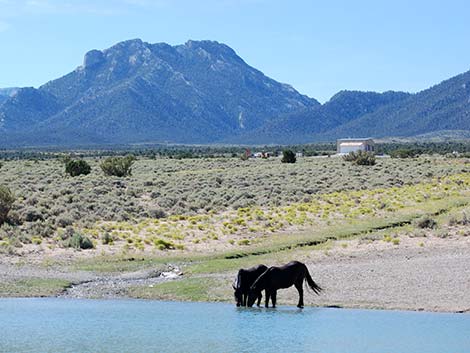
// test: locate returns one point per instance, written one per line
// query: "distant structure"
(262, 155)
(344, 146)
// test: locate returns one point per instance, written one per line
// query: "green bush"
(107, 239)
(288, 156)
(425, 222)
(6, 201)
(77, 167)
(243, 157)
(78, 241)
(118, 166)
(403, 153)
(360, 158)
(162, 244)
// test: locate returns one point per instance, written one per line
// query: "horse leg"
(273, 298)
(301, 294)
(268, 294)
(244, 299)
(260, 296)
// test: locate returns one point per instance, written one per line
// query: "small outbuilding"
(344, 146)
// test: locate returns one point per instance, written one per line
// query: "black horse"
(285, 276)
(243, 282)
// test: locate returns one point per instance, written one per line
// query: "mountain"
(199, 92)
(6, 93)
(443, 107)
(299, 127)
(203, 92)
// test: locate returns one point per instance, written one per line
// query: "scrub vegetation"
(208, 204)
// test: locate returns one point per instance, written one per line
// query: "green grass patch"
(190, 289)
(33, 287)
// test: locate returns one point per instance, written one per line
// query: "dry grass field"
(205, 204)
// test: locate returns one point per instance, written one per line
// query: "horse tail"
(311, 283)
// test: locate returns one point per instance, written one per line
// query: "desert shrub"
(14, 218)
(417, 233)
(288, 156)
(244, 157)
(117, 166)
(79, 241)
(41, 229)
(443, 233)
(403, 153)
(64, 220)
(77, 167)
(8, 231)
(244, 242)
(156, 213)
(465, 219)
(360, 158)
(425, 222)
(31, 214)
(6, 201)
(107, 239)
(162, 244)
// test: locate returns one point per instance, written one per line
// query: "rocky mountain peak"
(93, 58)
(197, 92)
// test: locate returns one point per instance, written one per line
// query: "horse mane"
(238, 281)
(260, 282)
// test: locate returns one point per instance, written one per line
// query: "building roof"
(355, 140)
(352, 143)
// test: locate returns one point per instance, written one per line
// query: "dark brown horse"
(294, 273)
(243, 282)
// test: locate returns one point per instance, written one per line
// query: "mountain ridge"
(203, 92)
(137, 91)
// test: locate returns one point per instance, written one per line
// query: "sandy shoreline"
(412, 276)
(424, 274)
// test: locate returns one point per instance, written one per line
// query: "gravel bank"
(430, 274)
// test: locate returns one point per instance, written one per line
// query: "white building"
(344, 146)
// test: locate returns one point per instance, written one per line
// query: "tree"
(118, 166)
(6, 201)
(77, 167)
(288, 156)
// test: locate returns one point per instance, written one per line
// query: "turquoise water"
(65, 325)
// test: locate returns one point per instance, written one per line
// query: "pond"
(67, 325)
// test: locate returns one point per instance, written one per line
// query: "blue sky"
(319, 47)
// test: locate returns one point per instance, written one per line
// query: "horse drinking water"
(293, 273)
(243, 282)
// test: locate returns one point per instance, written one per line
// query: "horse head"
(237, 291)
